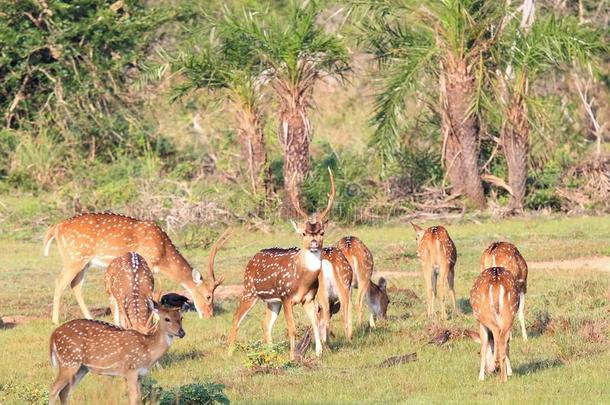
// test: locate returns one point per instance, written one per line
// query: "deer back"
(506, 255)
(359, 256)
(436, 246)
(130, 283)
(278, 274)
(494, 298)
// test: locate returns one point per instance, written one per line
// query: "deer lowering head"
(96, 239)
(83, 345)
(494, 300)
(285, 277)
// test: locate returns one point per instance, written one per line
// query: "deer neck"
(177, 268)
(310, 261)
(158, 343)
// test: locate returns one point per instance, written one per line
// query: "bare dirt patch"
(586, 263)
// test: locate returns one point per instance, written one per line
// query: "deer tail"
(48, 238)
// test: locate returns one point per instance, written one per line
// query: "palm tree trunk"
(252, 141)
(515, 138)
(295, 135)
(461, 130)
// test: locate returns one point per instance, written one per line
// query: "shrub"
(196, 393)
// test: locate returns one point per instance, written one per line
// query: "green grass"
(567, 362)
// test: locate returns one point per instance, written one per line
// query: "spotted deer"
(334, 291)
(130, 285)
(361, 260)
(437, 255)
(95, 239)
(506, 255)
(285, 277)
(80, 346)
(494, 299)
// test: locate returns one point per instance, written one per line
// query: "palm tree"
(296, 53)
(526, 54)
(433, 49)
(218, 64)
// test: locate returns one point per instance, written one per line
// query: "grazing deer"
(130, 284)
(95, 239)
(506, 255)
(494, 299)
(437, 255)
(361, 260)
(286, 277)
(83, 345)
(334, 291)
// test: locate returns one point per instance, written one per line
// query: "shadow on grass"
(177, 357)
(537, 365)
(464, 306)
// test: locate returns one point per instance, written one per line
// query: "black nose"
(181, 333)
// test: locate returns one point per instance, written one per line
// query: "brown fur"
(494, 299)
(130, 284)
(506, 255)
(437, 255)
(102, 237)
(83, 345)
(360, 258)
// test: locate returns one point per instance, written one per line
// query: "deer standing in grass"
(334, 292)
(506, 255)
(494, 299)
(285, 277)
(361, 260)
(130, 285)
(95, 239)
(437, 255)
(83, 345)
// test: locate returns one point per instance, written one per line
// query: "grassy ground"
(567, 313)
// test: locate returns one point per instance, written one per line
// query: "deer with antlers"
(83, 345)
(361, 260)
(95, 239)
(506, 255)
(285, 277)
(130, 284)
(494, 299)
(437, 255)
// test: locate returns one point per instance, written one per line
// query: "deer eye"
(209, 297)
(321, 233)
(304, 234)
(167, 320)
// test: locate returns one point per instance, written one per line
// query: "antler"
(219, 242)
(331, 196)
(295, 199)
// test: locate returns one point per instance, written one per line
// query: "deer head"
(313, 226)
(419, 232)
(170, 319)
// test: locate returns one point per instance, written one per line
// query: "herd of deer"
(320, 278)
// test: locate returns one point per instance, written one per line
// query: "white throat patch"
(313, 261)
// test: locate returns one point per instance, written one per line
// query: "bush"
(196, 393)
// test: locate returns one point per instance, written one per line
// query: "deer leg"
(430, 280)
(310, 310)
(362, 291)
(484, 349)
(451, 284)
(245, 306)
(509, 370)
(77, 290)
(114, 308)
(441, 286)
(324, 324)
(292, 329)
(61, 282)
(133, 387)
(346, 309)
(501, 346)
(271, 313)
(522, 315)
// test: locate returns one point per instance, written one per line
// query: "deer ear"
(419, 231)
(153, 305)
(382, 284)
(196, 276)
(297, 229)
